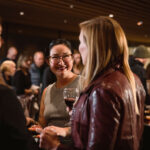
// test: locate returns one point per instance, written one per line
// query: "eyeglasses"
(56, 59)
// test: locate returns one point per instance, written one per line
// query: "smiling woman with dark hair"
(53, 108)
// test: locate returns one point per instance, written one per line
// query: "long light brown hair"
(106, 43)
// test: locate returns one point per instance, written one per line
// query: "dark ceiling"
(63, 16)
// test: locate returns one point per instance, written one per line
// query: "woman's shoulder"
(50, 86)
(79, 78)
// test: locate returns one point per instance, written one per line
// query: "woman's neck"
(63, 81)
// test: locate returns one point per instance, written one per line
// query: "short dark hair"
(60, 41)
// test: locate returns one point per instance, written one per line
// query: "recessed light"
(71, 6)
(111, 15)
(65, 21)
(146, 35)
(21, 13)
(20, 31)
(139, 23)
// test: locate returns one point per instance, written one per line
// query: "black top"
(4, 59)
(21, 82)
(48, 78)
(13, 130)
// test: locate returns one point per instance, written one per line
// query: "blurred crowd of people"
(30, 75)
(109, 113)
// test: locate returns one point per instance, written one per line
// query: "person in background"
(137, 61)
(22, 79)
(37, 68)
(48, 78)
(14, 134)
(110, 109)
(8, 69)
(11, 54)
(77, 64)
(22, 85)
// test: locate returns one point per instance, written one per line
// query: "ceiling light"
(71, 6)
(111, 15)
(65, 21)
(21, 13)
(139, 23)
(20, 31)
(146, 35)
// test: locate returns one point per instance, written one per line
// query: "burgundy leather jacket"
(104, 117)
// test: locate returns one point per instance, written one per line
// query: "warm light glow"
(65, 21)
(111, 15)
(71, 6)
(139, 23)
(21, 13)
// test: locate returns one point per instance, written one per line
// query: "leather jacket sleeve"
(104, 119)
(103, 115)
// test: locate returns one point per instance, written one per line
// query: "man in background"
(11, 54)
(37, 68)
(137, 62)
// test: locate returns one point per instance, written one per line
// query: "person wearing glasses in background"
(53, 108)
(109, 112)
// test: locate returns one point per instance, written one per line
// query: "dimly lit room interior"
(94, 95)
(32, 24)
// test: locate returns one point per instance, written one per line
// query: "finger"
(39, 130)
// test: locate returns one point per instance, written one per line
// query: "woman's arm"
(42, 120)
(104, 121)
(60, 131)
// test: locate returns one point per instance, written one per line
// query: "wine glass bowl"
(70, 96)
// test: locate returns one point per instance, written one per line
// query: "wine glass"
(70, 96)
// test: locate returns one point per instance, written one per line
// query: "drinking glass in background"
(70, 96)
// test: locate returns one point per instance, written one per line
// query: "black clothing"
(21, 82)
(9, 81)
(4, 59)
(138, 68)
(48, 78)
(14, 133)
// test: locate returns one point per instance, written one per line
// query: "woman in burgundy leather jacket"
(109, 112)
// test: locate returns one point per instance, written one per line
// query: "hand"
(48, 139)
(30, 121)
(36, 128)
(60, 131)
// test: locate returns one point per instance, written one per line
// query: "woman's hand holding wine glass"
(70, 96)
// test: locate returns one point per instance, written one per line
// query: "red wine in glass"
(69, 102)
(70, 96)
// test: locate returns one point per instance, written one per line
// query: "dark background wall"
(30, 39)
